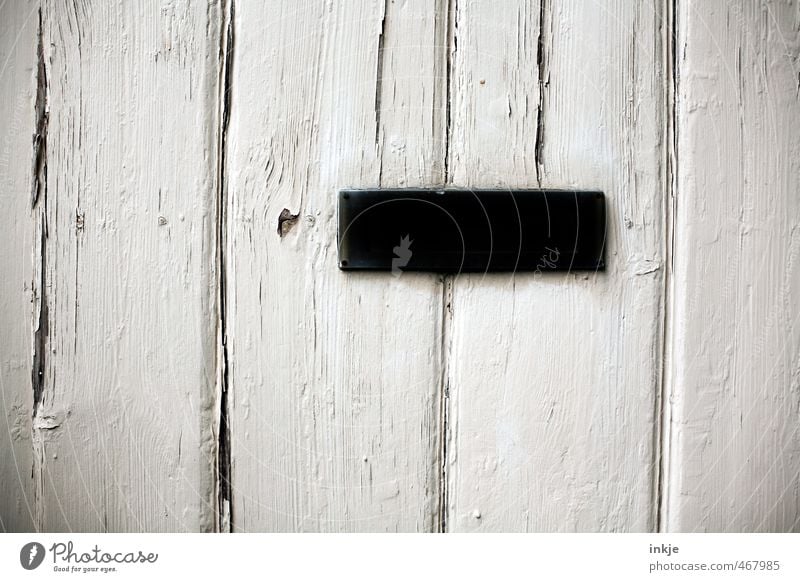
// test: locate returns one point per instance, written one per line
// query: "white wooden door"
(180, 351)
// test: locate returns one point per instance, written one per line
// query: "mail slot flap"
(460, 230)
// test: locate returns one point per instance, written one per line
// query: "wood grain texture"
(734, 448)
(333, 378)
(553, 378)
(181, 353)
(18, 39)
(125, 317)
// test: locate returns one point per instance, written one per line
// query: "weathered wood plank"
(734, 378)
(126, 340)
(333, 377)
(19, 22)
(553, 378)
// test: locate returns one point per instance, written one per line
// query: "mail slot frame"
(369, 219)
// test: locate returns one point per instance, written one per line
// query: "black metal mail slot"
(452, 231)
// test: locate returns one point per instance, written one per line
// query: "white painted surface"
(333, 377)
(360, 402)
(123, 316)
(553, 378)
(735, 360)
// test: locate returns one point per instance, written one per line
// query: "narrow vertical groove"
(447, 43)
(224, 521)
(39, 194)
(41, 322)
(542, 66)
(670, 128)
(41, 328)
(450, 45)
(39, 170)
(444, 395)
(379, 72)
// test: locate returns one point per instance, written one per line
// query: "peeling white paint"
(363, 402)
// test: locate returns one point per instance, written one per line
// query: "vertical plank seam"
(379, 75)
(448, 44)
(379, 90)
(39, 193)
(670, 127)
(41, 321)
(224, 517)
(542, 66)
(444, 402)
